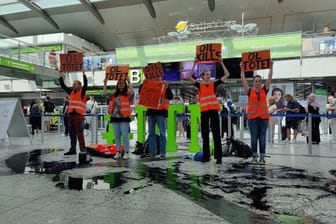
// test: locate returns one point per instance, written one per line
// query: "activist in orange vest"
(257, 111)
(158, 117)
(120, 115)
(76, 110)
(209, 110)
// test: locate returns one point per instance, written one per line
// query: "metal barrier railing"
(95, 118)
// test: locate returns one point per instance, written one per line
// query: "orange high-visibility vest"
(125, 106)
(76, 103)
(164, 102)
(257, 108)
(207, 97)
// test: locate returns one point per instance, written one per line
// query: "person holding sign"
(76, 112)
(120, 112)
(209, 110)
(257, 111)
(158, 116)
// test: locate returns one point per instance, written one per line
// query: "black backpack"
(35, 110)
(49, 106)
(239, 148)
(143, 148)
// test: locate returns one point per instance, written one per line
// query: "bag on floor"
(240, 149)
(145, 147)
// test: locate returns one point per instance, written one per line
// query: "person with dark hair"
(158, 117)
(314, 108)
(76, 112)
(120, 112)
(257, 111)
(209, 110)
(278, 96)
(292, 107)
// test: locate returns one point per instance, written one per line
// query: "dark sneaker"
(205, 160)
(70, 152)
(254, 159)
(262, 160)
(162, 157)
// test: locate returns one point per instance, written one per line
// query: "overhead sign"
(117, 72)
(281, 46)
(153, 71)
(36, 49)
(150, 94)
(71, 62)
(256, 60)
(209, 52)
(16, 64)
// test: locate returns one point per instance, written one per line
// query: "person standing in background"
(209, 110)
(292, 107)
(91, 110)
(272, 109)
(66, 115)
(120, 112)
(180, 119)
(257, 111)
(331, 110)
(313, 108)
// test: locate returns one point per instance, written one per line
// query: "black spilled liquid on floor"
(251, 181)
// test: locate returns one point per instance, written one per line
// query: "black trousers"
(211, 116)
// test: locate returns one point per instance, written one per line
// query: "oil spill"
(251, 182)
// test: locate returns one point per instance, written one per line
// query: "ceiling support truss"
(40, 11)
(93, 10)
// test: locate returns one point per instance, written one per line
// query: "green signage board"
(281, 46)
(28, 50)
(16, 64)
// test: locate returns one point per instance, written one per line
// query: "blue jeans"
(161, 121)
(121, 129)
(258, 130)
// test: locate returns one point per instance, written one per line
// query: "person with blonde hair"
(314, 109)
(272, 109)
(209, 107)
(331, 110)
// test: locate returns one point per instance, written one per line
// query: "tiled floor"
(293, 187)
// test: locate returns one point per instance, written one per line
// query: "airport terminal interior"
(41, 183)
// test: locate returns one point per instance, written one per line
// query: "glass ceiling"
(13, 6)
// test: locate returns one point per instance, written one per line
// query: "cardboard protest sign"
(209, 52)
(153, 71)
(256, 60)
(117, 72)
(71, 62)
(151, 93)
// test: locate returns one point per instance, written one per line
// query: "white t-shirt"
(91, 105)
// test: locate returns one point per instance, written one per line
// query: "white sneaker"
(117, 155)
(126, 156)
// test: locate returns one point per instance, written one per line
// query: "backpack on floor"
(146, 145)
(240, 148)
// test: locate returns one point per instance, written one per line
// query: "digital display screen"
(171, 71)
(327, 46)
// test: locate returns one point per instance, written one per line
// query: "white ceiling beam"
(150, 8)
(7, 24)
(93, 10)
(40, 11)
